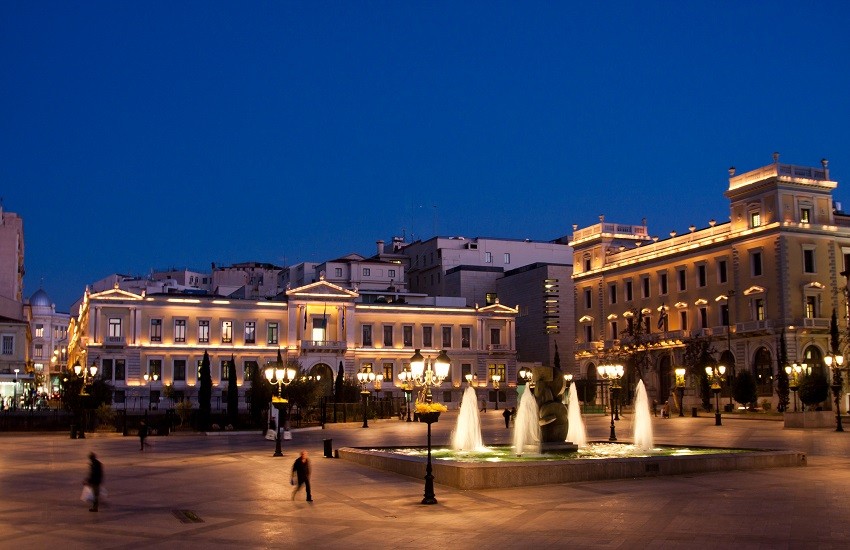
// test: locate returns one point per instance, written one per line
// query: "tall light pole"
(496, 378)
(364, 377)
(15, 391)
(150, 379)
(715, 376)
(279, 376)
(793, 372)
(680, 389)
(612, 373)
(428, 374)
(835, 361)
(406, 379)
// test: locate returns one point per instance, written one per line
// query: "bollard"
(694, 412)
(328, 447)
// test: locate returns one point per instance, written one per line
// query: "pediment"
(755, 289)
(497, 308)
(115, 294)
(321, 289)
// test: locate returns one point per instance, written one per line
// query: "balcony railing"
(754, 326)
(497, 347)
(816, 322)
(322, 345)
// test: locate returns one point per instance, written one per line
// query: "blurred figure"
(94, 480)
(301, 471)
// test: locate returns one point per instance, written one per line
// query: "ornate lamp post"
(279, 376)
(834, 361)
(379, 379)
(15, 391)
(364, 378)
(715, 376)
(79, 370)
(429, 374)
(680, 389)
(496, 378)
(527, 375)
(612, 373)
(149, 379)
(406, 379)
(793, 372)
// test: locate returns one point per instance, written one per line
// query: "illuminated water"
(576, 432)
(642, 422)
(591, 451)
(527, 425)
(467, 432)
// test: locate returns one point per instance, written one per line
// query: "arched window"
(813, 357)
(326, 374)
(763, 371)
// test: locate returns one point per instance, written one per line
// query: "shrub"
(105, 415)
(744, 389)
(814, 389)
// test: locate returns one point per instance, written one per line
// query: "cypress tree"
(204, 393)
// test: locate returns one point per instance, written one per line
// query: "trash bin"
(694, 412)
(328, 448)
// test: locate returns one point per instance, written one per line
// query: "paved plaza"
(237, 495)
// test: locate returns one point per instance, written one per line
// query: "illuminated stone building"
(49, 342)
(322, 325)
(775, 267)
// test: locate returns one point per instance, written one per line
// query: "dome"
(40, 298)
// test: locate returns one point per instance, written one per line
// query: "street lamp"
(794, 371)
(379, 379)
(834, 361)
(364, 377)
(279, 376)
(429, 374)
(715, 376)
(149, 379)
(527, 375)
(680, 389)
(613, 373)
(496, 378)
(406, 379)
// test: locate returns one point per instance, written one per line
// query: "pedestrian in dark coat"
(507, 415)
(301, 472)
(94, 480)
(143, 434)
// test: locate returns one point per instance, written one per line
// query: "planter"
(810, 419)
(429, 418)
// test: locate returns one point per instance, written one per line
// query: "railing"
(703, 332)
(586, 346)
(816, 322)
(610, 228)
(308, 345)
(752, 326)
(497, 347)
(777, 170)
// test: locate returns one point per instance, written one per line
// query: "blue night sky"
(139, 135)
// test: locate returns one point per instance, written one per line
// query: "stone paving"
(240, 495)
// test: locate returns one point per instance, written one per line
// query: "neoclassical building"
(779, 265)
(322, 325)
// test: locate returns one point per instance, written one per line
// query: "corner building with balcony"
(321, 325)
(779, 265)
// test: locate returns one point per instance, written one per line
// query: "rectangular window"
(250, 332)
(338, 271)
(447, 337)
(587, 263)
(273, 333)
(120, 370)
(490, 298)
(407, 335)
(614, 331)
(682, 280)
(645, 282)
(248, 369)
(724, 315)
(465, 337)
(587, 298)
(367, 336)
(39, 331)
(755, 219)
(367, 272)
(806, 215)
(722, 276)
(507, 258)
(701, 275)
(755, 261)
(114, 329)
(811, 307)
(495, 336)
(388, 336)
(588, 333)
(106, 370)
(427, 337)
(703, 317)
(388, 372)
(203, 332)
(809, 260)
(39, 351)
(629, 295)
(465, 368)
(155, 368)
(391, 273)
(227, 332)
(180, 330)
(683, 316)
(612, 293)
(488, 258)
(156, 330)
(758, 311)
(179, 370)
(225, 370)
(662, 283)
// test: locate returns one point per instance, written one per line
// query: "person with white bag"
(91, 487)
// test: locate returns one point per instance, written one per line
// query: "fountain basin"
(545, 470)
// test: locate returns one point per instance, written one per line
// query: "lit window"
(755, 219)
(273, 333)
(39, 331)
(507, 258)
(391, 272)
(226, 332)
(180, 330)
(156, 330)
(114, 329)
(488, 258)
(250, 332)
(367, 272)
(203, 332)
(806, 215)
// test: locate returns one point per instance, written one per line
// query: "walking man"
(301, 471)
(94, 480)
(143, 434)
(507, 415)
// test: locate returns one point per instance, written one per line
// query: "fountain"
(575, 432)
(642, 422)
(467, 433)
(527, 425)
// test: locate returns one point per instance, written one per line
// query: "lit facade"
(48, 346)
(322, 325)
(775, 267)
